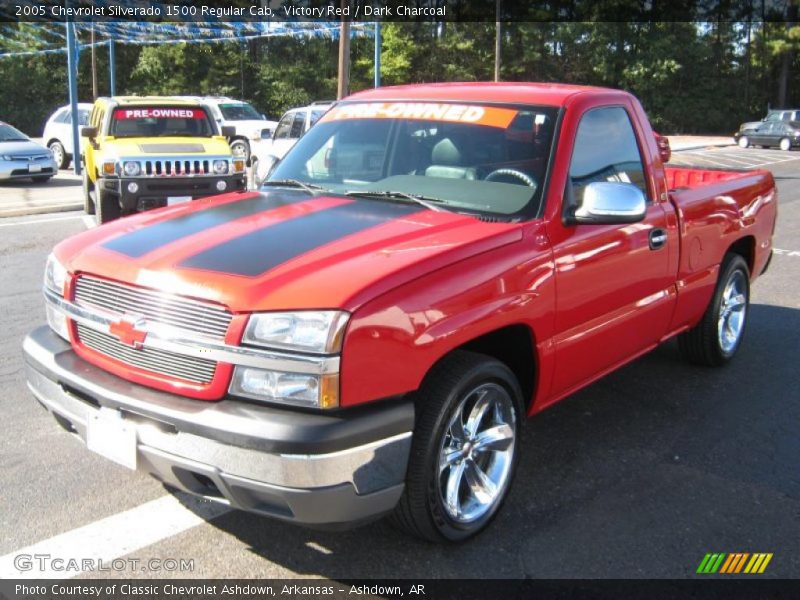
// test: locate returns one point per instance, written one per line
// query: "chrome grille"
(167, 167)
(155, 307)
(187, 368)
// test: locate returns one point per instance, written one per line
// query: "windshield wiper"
(428, 202)
(311, 188)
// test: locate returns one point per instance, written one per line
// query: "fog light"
(57, 321)
(222, 186)
(133, 187)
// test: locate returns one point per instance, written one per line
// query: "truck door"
(614, 285)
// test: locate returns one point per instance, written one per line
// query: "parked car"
(427, 266)
(149, 152)
(248, 124)
(21, 158)
(293, 124)
(58, 133)
(783, 134)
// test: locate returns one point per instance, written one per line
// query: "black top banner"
(399, 10)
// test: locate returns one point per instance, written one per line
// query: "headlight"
(319, 332)
(55, 279)
(131, 168)
(7, 157)
(298, 389)
(220, 167)
(55, 276)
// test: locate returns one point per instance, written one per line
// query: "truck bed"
(683, 178)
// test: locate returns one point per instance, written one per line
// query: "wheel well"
(513, 346)
(51, 140)
(746, 248)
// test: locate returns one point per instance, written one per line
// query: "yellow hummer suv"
(148, 152)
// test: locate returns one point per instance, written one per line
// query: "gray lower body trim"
(346, 485)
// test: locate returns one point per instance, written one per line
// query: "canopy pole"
(112, 69)
(344, 55)
(72, 74)
(377, 61)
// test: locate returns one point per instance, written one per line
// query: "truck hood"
(166, 146)
(281, 249)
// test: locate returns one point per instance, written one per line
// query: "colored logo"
(126, 332)
(734, 562)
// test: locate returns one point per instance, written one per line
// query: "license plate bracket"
(112, 437)
(177, 199)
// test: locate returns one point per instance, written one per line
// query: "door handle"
(658, 239)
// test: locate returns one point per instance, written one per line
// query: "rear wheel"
(107, 206)
(88, 187)
(59, 154)
(744, 141)
(464, 451)
(786, 144)
(714, 341)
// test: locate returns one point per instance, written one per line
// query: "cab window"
(606, 150)
(284, 127)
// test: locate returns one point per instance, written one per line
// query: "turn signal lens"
(238, 166)
(109, 168)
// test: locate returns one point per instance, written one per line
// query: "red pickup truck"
(364, 335)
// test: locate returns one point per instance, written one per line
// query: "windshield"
(239, 112)
(160, 121)
(9, 134)
(468, 158)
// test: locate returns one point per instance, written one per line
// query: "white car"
(250, 125)
(58, 133)
(293, 124)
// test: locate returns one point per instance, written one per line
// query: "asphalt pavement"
(638, 476)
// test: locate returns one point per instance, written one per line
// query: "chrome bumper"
(254, 458)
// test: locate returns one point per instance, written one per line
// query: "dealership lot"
(639, 475)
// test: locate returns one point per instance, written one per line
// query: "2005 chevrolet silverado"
(426, 267)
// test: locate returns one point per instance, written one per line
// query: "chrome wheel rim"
(477, 453)
(743, 142)
(239, 149)
(58, 155)
(785, 144)
(732, 312)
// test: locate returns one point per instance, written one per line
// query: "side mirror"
(266, 134)
(609, 202)
(228, 131)
(89, 132)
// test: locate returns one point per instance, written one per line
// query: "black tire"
(42, 179)
(108, 208)
(702, 344)
(446, 390)
(88, 187)
(59, 154)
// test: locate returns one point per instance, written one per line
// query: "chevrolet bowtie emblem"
(125, 330)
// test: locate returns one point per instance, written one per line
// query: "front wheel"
(107, 207)
(464, 451)
(786, 144)
(240, 149)
(59, 155)
(744, 141)
(714, 341)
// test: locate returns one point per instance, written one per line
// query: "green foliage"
(690, 77)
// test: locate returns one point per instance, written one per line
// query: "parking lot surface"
(639, 475)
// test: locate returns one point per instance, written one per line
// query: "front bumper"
(20, 169)
(309, 468)
(154, 192)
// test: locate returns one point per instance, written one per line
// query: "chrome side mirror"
(610, 202)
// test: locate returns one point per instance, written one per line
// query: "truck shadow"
(636, 476)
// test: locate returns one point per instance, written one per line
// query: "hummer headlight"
(220, 167)
(131, 168)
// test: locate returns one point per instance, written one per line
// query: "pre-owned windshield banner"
(431, 111)
(159, 113)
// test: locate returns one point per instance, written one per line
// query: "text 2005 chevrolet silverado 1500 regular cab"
(364, 335)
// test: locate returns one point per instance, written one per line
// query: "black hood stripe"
(261, 250)
(141, 241)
